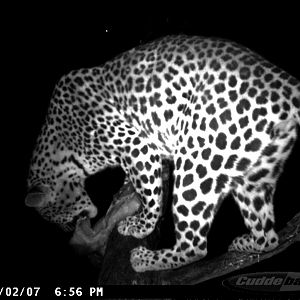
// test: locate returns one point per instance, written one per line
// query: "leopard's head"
(62, 202)
(56, 187)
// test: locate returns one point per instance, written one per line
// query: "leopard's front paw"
(247, 243)
(135, 226)
(141, 259)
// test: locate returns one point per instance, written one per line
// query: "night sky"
(46, 42)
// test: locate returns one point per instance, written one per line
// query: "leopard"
(226, 118)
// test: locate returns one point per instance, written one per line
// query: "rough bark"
(109, 251)
(116, 268)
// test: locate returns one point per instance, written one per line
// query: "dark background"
(42, 43)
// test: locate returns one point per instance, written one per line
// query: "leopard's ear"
(36, 196)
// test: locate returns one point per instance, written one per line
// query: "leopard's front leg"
(144, 168)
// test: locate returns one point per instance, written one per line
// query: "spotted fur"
(223, 114)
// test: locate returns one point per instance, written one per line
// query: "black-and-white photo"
(151, 149)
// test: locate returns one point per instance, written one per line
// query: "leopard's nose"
(90, 212)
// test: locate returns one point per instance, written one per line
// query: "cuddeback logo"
(265, 282)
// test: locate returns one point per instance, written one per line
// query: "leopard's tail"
(296, 103)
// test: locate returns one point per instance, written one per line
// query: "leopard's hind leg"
(255, 195)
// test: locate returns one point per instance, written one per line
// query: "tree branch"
(109, 251)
